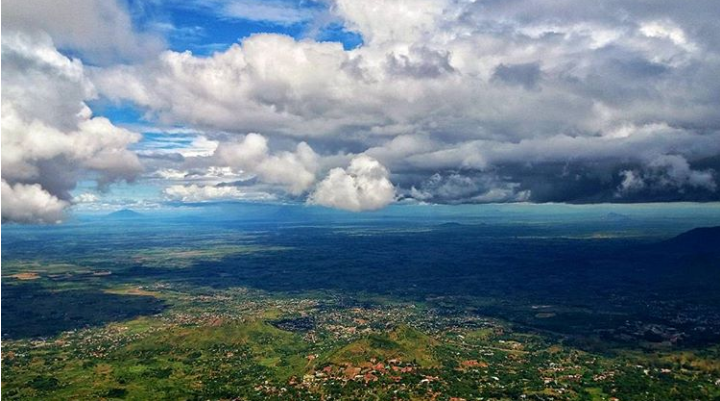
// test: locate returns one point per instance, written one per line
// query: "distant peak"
(450, 224)
(125, 214)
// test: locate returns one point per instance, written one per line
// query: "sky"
(356, 104)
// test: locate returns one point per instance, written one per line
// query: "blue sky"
(204, 27)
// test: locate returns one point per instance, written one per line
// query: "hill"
(697, 240)
(404, 343)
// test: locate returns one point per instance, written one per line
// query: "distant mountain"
(450, 225)
(125, 214)
(700, 240)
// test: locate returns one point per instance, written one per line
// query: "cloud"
(419, 63)
(30, 203)
(459, 188)
(294, 171)
(364, 185)
(50, 137)
(526, 75)
(457, 72)
(184, 144)
(203, 193)
(382, 21)
(101, 29)
(86, 197)
(463, 80)
(488, 101)
(270, 84)
(669, 173)
(667, 30)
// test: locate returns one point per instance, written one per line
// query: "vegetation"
(357, 313)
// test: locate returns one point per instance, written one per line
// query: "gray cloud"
(526, 75)
(667, 174)
(101, 29)
(420, 63)
(477, 187)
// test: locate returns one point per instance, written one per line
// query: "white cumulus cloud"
(364, 185)
(49, 136)
(294, 171)
(30, 203)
